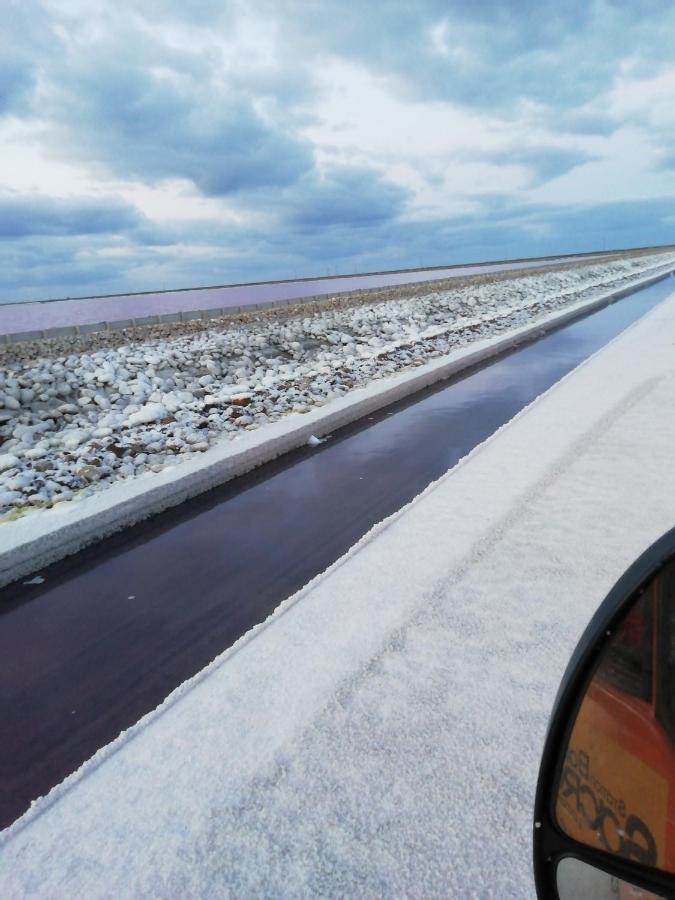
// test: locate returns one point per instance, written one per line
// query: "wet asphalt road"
(115, 629)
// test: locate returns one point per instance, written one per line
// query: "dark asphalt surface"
(115, 629)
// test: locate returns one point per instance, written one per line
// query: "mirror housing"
(552, 843)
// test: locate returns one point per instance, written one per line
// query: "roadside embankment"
(130, 448)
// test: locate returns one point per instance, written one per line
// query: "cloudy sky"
(192, 142)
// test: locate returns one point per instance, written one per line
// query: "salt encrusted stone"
(8, 461)
(72, 439)
(151, 412)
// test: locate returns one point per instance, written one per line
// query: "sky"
(153, 145)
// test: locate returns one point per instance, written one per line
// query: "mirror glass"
(576, 880)
(616, 790)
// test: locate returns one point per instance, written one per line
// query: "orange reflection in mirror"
(617, 784)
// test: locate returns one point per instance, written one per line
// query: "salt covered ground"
(380, 734)
(74, 421)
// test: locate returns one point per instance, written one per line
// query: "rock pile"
(73, 422)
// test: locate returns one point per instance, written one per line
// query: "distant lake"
(45, 314)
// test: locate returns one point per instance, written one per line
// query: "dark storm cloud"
(23, 216)
(501, 230)
(16, 83)
(153, 125)
(70, 265)
(139, 97)
(632, 223)
(543, 162)
(534, 230)
(348, 196)
(45, 268)
(24, 38)
(147, 109)
(497, 53)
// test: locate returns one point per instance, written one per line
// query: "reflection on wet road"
(113, 630)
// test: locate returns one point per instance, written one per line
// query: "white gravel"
(73, 423)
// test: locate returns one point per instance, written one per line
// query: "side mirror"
(604, 818)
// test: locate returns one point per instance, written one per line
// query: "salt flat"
(380, 733)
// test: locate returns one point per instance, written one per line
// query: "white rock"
(102, 401)
(72, 439)
(109, 419)
(8, 461)
(333, 351)
(20, 481)
(151, 412)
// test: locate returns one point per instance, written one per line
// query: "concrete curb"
(31, 543)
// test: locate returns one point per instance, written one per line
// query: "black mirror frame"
(550, 843)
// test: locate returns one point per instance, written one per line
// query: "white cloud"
(649, 99)
(436, 149)
(445, 41)
(176, 200)
(626, 170)
(27, 166)
(185, 112)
